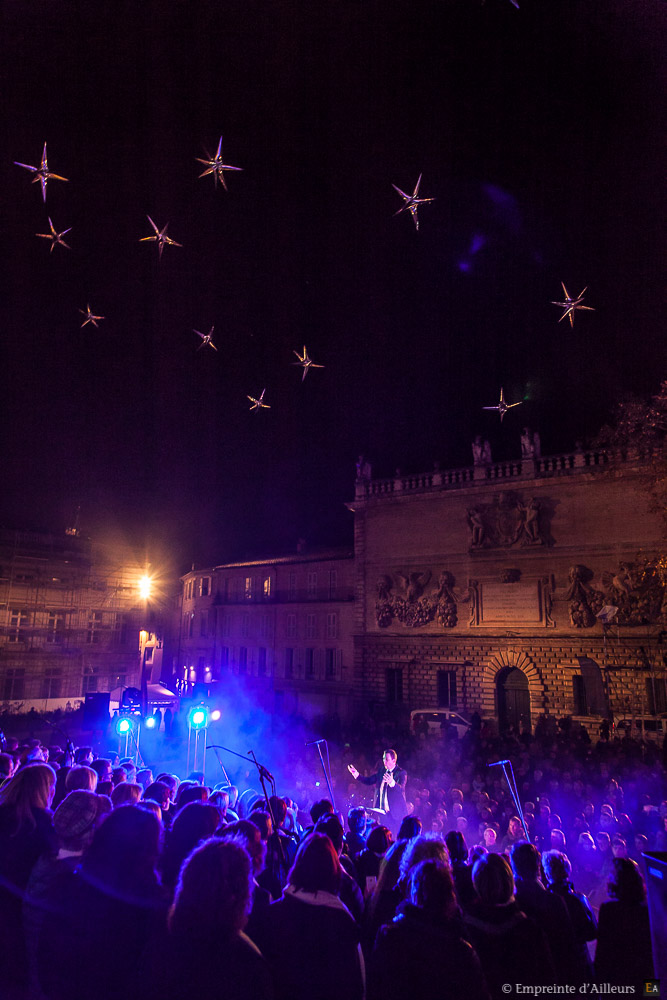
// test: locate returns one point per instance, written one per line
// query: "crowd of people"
(119, 880)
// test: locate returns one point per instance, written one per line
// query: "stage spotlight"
(123, 726)
(198, 718)
(215, 715)
(150, 722)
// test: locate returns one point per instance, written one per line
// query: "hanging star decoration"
(206, 339)
(160, 237)
(55, 237)
(89, 317)
(571, 304)
(215, 166)
(502, 406)
(412, 202)
(305, 362)
(42, 173)
(258, 404)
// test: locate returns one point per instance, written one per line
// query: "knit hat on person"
(75, 819)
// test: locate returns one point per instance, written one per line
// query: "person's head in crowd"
(193, 793)
(125, 794)
(262, 820)
(462, 824)
(145, 777)
(233, 796)
(196, 777)
(193, 824)
(426, 847)
(213, 895)
(525, 860)
(626, 884)
(157, 792)
(316, 867)
(84, 756)
(457, 810)
(410, 828)
(103, 768)
(557, 839)
(172, 782)
(321, 808)
(641, 843)
(130, 768)
(152, 806)
(619, 847)
(514, 828)
(118, 775)
(456, 795)
(278, 810)
(489, 837)
(379, 840)
(603, 841)
(32, 787)
(586, 842)
(7, 766)
(492, 879)
(105, 788)
(332, 827)
(81, 776)
(123, 855)
(431, 888)
(557, 867)
(249, 834)
(455, 843)
(219, 799)
(76, 819)
(356, 820)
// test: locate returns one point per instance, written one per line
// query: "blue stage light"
(215, 715)
(150, 722)
(123, 726)
(198, 718)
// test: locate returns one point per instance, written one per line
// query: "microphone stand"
(264, 776)
(511, 784)
(318, 744)
(222, 766)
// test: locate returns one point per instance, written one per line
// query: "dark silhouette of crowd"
(123, 882)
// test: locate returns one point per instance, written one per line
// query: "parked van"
(646, 727)
(438, 720)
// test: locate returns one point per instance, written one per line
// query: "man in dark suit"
(390, 781)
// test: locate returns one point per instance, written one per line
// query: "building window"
(656, 695)
(89, 680)
(332, 625)
(55, 629)
(18, 622)
(289, 663)
(394, 685)
(266, 588)
(13, 684)
(333, 583)
(205, 586)
(189, 584)
(203, 624)
(190, 624)
(261, 661)
(311, 627)
(226, 625)
(51, 683)
(310, 663)
(447, 689)
(292, 587)
(94, 626)
(290, 626)
(579, 695)
(245, 626)
(243, 660)
(312, 586)
(264, 626)
(247, 590)
(330, 664)
(224, 656)
(121, 630)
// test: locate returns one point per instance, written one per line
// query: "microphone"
(314, 743)
(498, 762)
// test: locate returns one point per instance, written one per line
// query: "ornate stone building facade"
(515, 589)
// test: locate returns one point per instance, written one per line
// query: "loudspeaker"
(96, 710)
(656, 884)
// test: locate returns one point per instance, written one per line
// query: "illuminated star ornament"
(55, 237)
(502, 406)
(89, 318)
(216, 167)
(305, 362)
(206, 339)
(160, 237)
(259, 404)
(42, 173)
(570, 305)
(412, 202)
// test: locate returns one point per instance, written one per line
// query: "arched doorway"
(513, 699)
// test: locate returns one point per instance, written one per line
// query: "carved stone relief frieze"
(403, 597)
(635, 593)
(510, 521)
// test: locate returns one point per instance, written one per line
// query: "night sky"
(540, 132)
